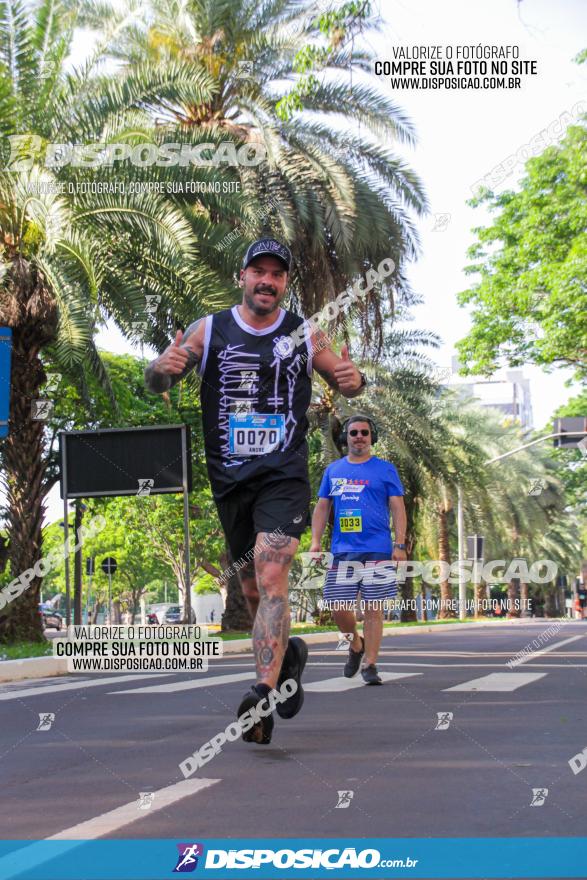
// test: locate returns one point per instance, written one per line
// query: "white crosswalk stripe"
(203, 682)
(327, 685)
(492, 682)
(335, 685)
(498, 682)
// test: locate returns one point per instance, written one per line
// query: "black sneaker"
(370, 674)
(351, 667)
(293, 664)
(260, 732)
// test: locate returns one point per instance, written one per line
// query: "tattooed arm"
(184, 353)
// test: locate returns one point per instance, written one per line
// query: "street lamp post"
(461, 538)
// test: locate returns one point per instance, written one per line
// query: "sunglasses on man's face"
(364, 432)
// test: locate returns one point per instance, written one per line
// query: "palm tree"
(342, 202)
(69, 258)
(531, 526)
(466, 430)
(402, 398)
(496, 498)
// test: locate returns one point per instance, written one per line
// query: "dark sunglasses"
(364, 432)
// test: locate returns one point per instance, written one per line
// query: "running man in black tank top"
(256, 361)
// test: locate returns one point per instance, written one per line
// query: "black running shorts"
(264, 506)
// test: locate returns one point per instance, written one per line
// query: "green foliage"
(22, 650)
(440, 442)
(144, 534)
(206, 584)
(342, 203)
(571, 466)
(337, 26)
(530, 305)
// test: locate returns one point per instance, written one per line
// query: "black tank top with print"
(255, 392)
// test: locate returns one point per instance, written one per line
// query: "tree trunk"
(446, 611)
(424, 600)
(236, 617)
(3, 554)
(26, 307)
(408, 611)
(480, 596)
(549, 600)
(524, 593)
(513, 597)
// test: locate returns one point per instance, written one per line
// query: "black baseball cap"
(268, 247)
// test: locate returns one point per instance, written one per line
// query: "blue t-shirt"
(360, 493)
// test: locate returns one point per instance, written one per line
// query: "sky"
(462, 136)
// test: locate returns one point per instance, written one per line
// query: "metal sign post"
(186, 527)
(90, 570)
(109, 566)
(113, 462)
(475, 553)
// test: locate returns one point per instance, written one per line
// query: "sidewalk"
(47, 667)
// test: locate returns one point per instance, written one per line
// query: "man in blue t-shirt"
(363, 490)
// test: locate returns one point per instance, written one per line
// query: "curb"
(32, 667)
(47, 667)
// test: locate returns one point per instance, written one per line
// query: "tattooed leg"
(248, 582)
(271, 629)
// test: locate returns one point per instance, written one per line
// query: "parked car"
(173, 614)
(51, 618)
(160, 611)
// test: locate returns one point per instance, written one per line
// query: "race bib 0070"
(255, 433)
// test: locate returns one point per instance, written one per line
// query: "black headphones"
(358, 417)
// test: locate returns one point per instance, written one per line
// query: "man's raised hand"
(346, 374)
(175, 358)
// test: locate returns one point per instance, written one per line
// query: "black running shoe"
(260, 732)
(370, 674)
(351, 667)
(293, 664)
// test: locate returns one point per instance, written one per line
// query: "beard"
(255, 306)
(354, 449)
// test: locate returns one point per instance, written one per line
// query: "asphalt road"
(512, 730)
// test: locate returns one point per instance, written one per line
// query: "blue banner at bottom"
(277, 858)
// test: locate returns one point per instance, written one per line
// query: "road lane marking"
(327, 685)
(22, 693)
(174, 686)
(397, 652)
(546, 650)
(32, 856)
(334, 685)
(498, 682)
(111, 821)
